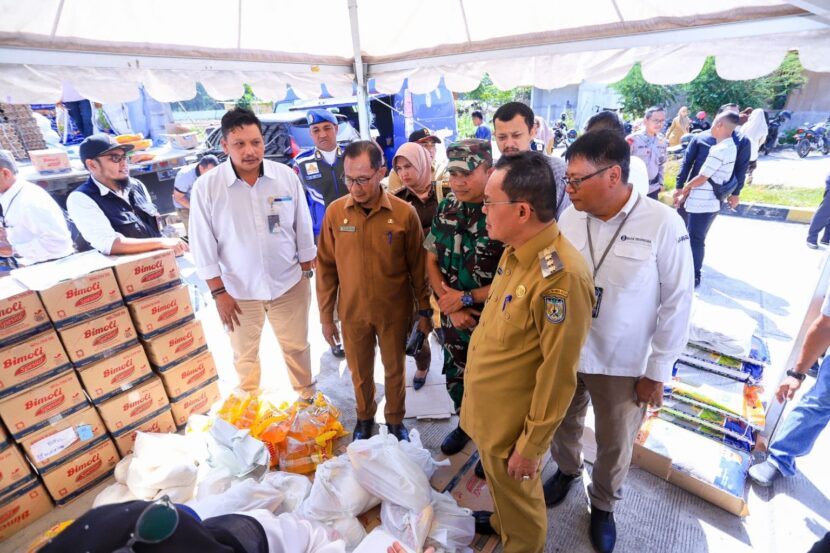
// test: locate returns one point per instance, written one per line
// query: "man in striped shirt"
(697, 197)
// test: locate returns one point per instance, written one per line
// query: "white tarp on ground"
(106, 49)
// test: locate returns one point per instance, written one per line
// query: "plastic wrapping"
(336, 493)
(453, 527)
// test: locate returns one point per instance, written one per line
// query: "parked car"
(280, 145)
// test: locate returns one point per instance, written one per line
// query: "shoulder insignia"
(554, 309)
(550, 262)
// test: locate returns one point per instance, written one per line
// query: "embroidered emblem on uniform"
(521, 290)
(554, 309)
(311, 168)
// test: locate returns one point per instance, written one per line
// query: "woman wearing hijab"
(413, 165)
(755, 129)
(679, 126)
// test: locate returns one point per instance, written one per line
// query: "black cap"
(420, 134)
(99, 144)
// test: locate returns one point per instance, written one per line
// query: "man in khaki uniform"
(524, 353)
(370, 250)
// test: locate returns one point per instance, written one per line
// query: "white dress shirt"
(647, 288)
(91, 221)
(638, 175)
(254, 237)
(35, 225)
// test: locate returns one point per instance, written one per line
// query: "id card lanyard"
(597, 290)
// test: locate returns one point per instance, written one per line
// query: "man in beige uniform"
(370, 250)
(524, 354)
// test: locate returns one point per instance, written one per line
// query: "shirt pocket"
(515, 323)
(631, 265)
(284, 209)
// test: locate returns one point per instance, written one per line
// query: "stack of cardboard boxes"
(84, 365)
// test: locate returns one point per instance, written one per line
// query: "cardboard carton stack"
(20, 130)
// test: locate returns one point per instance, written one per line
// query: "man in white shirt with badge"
(639, 254)
(252, 242)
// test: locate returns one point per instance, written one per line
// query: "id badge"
(598, 295)
(274, 224)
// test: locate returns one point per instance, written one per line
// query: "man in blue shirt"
(183, 184)
(482, 130)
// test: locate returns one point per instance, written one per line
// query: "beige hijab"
(419, 158)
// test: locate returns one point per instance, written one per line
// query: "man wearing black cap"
(425, 138)
(114, 212)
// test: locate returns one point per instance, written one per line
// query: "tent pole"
(360, 76)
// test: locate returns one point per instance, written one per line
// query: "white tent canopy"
(107, 48)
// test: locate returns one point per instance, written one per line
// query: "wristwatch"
(425, 313)
(467, 299)
(798, 376)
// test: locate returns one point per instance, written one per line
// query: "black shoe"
(557, 486)
(338, 352)
(824, 242)
(482, 519)
(603, 530)
(697, 282)
(479, 470)
(418, 383)
(812, 245)
(399, 431)
(454, 442)
(363, 429)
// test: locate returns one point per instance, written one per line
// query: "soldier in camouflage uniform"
(651, 146)
(461, 263)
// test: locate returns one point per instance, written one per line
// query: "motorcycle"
(809, 138)
(679, 151)
(562, 136)
(773, 128)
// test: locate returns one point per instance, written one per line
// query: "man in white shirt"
(697, 197)
(252, 243)
(639, 254)
(113, 211)
(32, 225)
(637, 171)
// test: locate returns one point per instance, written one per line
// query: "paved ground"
(759, 267)
(785, 168)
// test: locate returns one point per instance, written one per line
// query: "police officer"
(651, 146)
(523, 356)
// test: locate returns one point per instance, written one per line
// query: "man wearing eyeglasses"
(113, 211)
(370, 252)
(638, 252)
(651, 146)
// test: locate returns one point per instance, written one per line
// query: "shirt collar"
(18, 184)
(626, 208)
(233, 176)
(528, 252)
(318, 153)
(382, 202)
(104, 190)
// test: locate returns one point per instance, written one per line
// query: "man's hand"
(425, 324)
(518, 467)
(177, 245)
(331, 334)
(649, 392)
(309, 265)
(679, 196)
(228, 310)
(787, 389)
(450, 302)
(464, 319)
(733, 201)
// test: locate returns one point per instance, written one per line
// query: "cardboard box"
(62, 438)
(82, 298)
(31, 361)
(22, 506)
(13, 468)
(4, 436)
(198, 401)
(21, 313)
(126, 410)
(92, 340)
(143, 274)
(31, 409)
(73, 477)
(153, 314)
(50, 161)
(157, 423)
(188, 375)
(172, 347)
(115, 374)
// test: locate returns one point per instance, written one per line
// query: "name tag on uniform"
(598, 296)
(349, 228)
(274, 224)
(311, 168)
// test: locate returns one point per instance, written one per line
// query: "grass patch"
(781, 195)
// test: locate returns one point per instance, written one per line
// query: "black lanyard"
(611, 243)
(3, 212)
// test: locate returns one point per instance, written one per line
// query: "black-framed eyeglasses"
(576, 182)
(488, 203)
(156, 523)
(115, 158)
(360, 181)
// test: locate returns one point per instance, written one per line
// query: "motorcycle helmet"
(785, 115)
(572, 134)
(701, 115)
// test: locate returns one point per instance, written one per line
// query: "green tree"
(788, 77)
(708, 91)
(247, 99)
(201, 102)
(638, 94)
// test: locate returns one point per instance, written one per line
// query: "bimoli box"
(157, 424)
(198, 401)
(138, 274)
(91, 340)
(81, 298)
(31, 361)
(127, 409)
(21, 312)
(22, 506)
(62, 438)
(188, 375)
(74, 476)
(152, 314)
(4, 437)
(167, 349)
(31, 409)
(13, 468)
(115, 373)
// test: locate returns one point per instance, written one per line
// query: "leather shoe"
(557, 486)
(454, 442)
(479, 470)
(418, 383)
(399, 431)
(338, 352)
(363, 429)
(482, 519)
(603, 530)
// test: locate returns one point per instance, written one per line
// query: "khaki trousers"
(617, 421)
(359, 340)
(519, 515)
(288, 316)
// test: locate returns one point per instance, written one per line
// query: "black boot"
(363, 429)
(399, 431)
(454, 442)
(557, 486)
(603, 530)
(479, 470)
(482, 519)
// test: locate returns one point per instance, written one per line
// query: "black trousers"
(698, 225)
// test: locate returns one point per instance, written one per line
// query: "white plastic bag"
(336, 493)
(290, 533)
(245, 495)
(115, 493)
(422, 457)
(410, 527)
(295, 488)
(236, 450)
(350, 531)
(453, 527)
